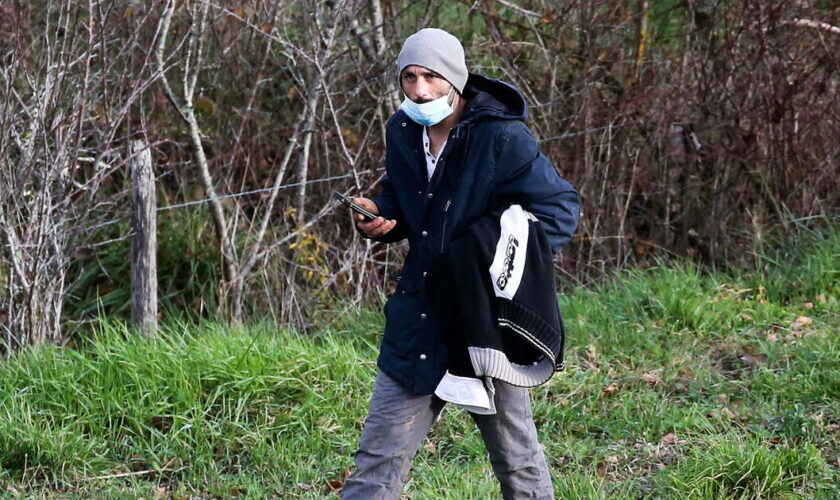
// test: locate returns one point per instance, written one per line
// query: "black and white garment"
(497, 306)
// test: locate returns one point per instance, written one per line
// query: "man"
(457, 149)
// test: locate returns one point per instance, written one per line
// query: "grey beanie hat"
(437, 50)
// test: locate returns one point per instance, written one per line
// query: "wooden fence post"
(144, 241)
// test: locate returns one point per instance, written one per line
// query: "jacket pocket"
(445, 220)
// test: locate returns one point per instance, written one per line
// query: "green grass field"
(680, 384)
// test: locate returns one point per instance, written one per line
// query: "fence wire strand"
(243, 194)
(303, 183)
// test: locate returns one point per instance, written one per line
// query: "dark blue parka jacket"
(490, 161)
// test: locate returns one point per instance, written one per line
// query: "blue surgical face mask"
(429, 113)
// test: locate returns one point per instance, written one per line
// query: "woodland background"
(693, 129)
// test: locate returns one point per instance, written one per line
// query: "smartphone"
(369, 216)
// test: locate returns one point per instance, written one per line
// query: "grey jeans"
(398, 420)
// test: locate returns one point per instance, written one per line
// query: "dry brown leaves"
(590, 358)
(335, 485)
(653, 377)
(609, 390)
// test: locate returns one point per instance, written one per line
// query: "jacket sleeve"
(525, 176)
(389, 208)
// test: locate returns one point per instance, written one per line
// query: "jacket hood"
(489, 97)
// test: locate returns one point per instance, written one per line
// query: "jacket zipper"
(443, 232)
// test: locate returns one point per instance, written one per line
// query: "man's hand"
(378, 226)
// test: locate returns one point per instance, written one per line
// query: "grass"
(680, 384)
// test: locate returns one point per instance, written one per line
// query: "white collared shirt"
(431, 160)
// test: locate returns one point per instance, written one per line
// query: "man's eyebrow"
(425, 72)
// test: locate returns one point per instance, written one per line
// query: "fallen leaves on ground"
(652, 378)
(334, 485)
(589, 360)
(723, 413)
(754, 360)
(609, 390)
(671, 438)
(160, 491)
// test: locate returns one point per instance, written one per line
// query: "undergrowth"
(680, 383)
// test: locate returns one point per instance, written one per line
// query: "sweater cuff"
(530, 327)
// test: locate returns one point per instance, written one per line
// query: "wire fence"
(301, 183)
(240, 195)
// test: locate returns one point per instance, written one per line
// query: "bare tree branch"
(806, 23)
